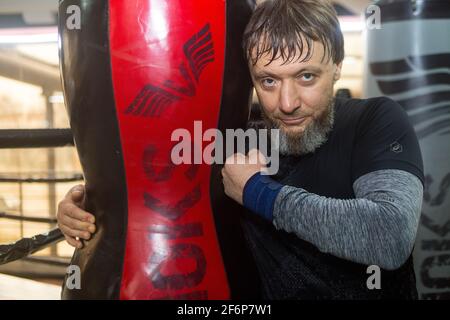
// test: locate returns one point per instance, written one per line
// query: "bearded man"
(348, 194)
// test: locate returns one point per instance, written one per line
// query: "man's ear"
(337, 71)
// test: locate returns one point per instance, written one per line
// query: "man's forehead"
(315, 58)
(317, 61)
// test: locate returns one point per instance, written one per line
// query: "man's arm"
(378, 227)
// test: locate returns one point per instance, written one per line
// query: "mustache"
(280, 116)
(277, 118)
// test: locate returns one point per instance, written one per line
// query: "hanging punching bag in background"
(134, 72)
(408, 59)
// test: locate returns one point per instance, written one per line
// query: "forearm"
(378, 227)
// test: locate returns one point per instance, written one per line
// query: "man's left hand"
(238, 169)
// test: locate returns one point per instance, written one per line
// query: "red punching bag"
(134, 72)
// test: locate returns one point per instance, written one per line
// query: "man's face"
(296, 97)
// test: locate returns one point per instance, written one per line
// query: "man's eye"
(307, 77)
(268, 82)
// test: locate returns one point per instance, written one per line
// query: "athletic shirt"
(367, 135)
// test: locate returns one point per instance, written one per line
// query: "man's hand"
(74, 222)
(238, 169)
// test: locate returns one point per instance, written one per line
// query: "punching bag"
(134, 71)
(408, 59)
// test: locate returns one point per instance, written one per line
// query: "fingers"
(256, 156)
(76, 195)
(73, 221)
(74, 233)
(76, 213)
(74, 242)
(253, 153)
(237, 158)
(76, 224)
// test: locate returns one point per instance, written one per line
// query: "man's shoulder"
(365, 105)
(366, 112)
(385, 139)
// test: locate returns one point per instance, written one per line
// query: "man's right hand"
(73, 221)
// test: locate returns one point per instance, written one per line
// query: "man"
(349, 190)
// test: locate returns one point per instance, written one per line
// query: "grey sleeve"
(378, 227)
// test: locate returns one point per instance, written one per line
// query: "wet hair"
(287, 28)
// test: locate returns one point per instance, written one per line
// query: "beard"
(301, 143)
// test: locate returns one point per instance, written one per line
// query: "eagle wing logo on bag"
(152, 100)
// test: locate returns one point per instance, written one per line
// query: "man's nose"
(289, 99)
